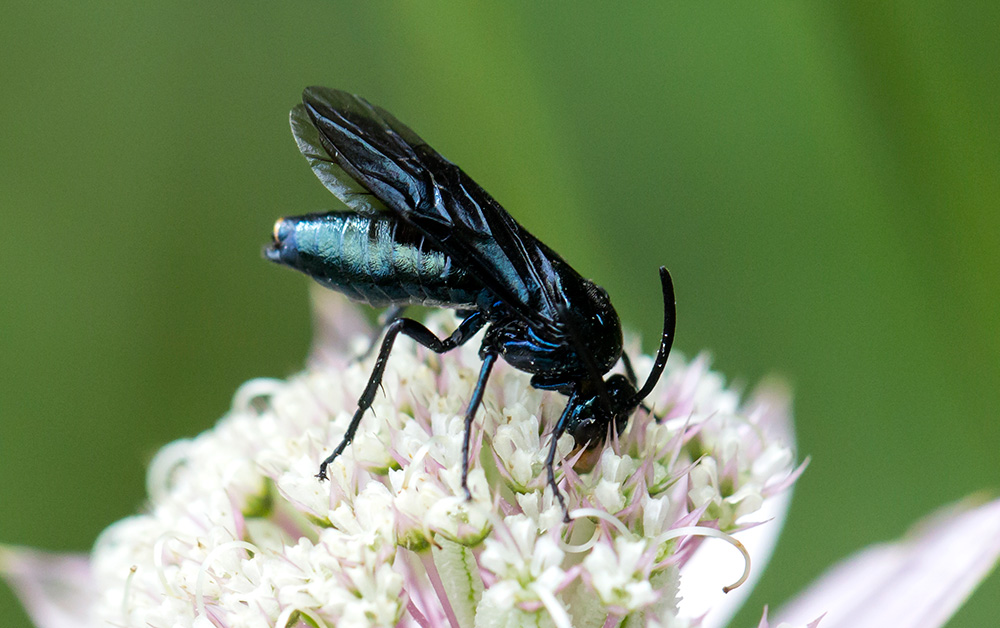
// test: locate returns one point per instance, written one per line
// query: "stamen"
(418, 457)
(126, 594)
(160, 564)
(559, 615)
(703, 531)
(286, 616)
(203, 570)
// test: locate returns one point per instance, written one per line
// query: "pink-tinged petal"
(918, 582)
(716, 564)
(764, 624)
(337, 324)
(56, 589)
(763, 620)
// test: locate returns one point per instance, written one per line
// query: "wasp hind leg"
(419, 333)
(384, 320)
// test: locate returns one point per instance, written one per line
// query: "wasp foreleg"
(560, 428)
(629, 371)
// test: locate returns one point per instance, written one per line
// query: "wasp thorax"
(598, 326)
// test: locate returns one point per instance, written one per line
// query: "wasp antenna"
(669, 324)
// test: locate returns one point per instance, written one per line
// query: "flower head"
(239, 532)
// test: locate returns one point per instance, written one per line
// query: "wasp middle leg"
(489, 358)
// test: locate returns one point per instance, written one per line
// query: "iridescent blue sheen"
(374, 259)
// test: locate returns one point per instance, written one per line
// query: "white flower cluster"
(239, 532)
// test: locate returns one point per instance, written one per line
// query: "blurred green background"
(821, 178)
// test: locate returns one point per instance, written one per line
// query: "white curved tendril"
(712, 532)
(166, 460)
(259, 388)
(580, 513)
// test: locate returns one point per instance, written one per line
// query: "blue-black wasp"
(420, 231)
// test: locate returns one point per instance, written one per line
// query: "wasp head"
(596, 414)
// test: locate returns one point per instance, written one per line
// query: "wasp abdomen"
(374, 258)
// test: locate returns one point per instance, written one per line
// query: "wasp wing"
(349, 135)
(343, 185)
